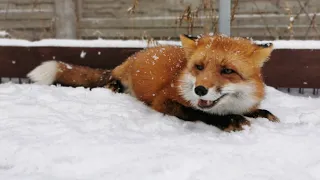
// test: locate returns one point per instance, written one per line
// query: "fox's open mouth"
(205, 104)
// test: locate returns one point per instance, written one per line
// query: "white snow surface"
(3, 33)
(278, 44)
(59, 133)
(84, 43)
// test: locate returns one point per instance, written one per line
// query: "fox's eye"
(227, 71)
(199, 67)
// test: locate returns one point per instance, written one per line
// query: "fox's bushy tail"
(57, 72)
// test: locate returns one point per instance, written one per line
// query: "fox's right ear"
(262, 53)
(188, 44)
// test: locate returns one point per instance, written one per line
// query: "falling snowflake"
(69, 66)
(291, 19)
(83, 54)
(155, 57)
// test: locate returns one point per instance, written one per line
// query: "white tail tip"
(44, 73)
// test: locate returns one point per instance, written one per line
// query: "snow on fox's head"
(223, 74)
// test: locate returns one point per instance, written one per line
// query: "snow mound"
(49, 132)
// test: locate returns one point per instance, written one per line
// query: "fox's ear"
(262, 53)
(188, 44)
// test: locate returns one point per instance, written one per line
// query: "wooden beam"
(291, 68)
(65, 19)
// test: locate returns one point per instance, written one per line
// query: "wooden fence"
(302, 71)
(160, 19)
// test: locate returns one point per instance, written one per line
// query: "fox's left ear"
(188, 44)
(262, 53)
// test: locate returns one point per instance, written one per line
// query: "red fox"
(213, 79)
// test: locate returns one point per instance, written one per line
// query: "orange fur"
(152, 72)
(75, 75)
(153, 75)
(167, 78)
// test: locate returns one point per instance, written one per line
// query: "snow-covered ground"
(4, 34)
(59, 133)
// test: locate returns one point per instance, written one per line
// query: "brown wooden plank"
(26, 15)
(26, 1)
(172, 21)
(293, 68)
(286, 68)
(19, 24)
(18, 61)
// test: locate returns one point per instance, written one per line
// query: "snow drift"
(49, 132)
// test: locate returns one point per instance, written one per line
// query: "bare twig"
(263, 19)
(312, 19)
(150, 40)
(234, 9)
(303, 8)
(189, 16)
(291, 20)
(132, 9)
(312, 24)
(210, 14)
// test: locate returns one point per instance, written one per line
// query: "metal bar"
(225, 17)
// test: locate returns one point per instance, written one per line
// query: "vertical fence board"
(65, 19)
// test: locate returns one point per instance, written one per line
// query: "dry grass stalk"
(264, 20)
(291, 19)
(234, 10)
(211, 14)
(188, 15)
(132, 9)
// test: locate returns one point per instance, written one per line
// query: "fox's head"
(223, 74)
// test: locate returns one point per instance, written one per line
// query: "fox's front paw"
(273, 118)
(262, 113)
(115, 86)
(234, 123)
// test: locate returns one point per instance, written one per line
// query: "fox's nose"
(201, 90)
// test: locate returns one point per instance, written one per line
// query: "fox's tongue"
(208, 104)
(205, 103)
